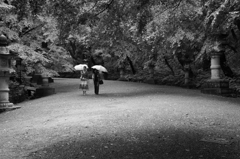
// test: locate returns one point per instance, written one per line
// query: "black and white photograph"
(119, 79)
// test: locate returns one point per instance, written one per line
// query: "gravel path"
(126, 121)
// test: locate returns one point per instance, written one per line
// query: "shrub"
(17, 93)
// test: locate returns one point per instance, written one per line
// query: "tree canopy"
(142, 36)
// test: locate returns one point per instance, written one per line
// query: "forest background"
(154, 41)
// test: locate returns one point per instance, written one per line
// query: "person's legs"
(100, 77)
(85, 87)
(96, 84)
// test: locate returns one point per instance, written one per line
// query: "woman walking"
(84, 80)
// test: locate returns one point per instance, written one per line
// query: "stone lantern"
(216, 85)
(5, 64)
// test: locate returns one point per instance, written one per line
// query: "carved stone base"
(6, 106)
(217, 87)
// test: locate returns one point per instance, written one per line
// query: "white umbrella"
(80, 67)
(99, 68)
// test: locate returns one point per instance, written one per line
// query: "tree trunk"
(93, 61)
(97, 60)
(71, 48)
(237, 23)
(131, 65)
(225, 67)
(169, 66)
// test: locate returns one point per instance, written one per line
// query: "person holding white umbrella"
(83, 78)
(80, 67)
(97, 76)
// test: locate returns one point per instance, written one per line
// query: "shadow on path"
(149, 144)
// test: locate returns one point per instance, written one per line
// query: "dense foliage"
(152, 40)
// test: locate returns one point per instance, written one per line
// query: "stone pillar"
(215, 65)
(216, 85)
(4, 90)
(5, 62)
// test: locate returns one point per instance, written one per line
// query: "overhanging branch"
(93, 6)
(108, 5)
(28, 31)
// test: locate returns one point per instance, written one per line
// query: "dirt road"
(126, 121)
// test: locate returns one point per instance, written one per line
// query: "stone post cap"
(216, 53)
(4, 41)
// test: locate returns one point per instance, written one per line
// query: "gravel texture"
(125, 121)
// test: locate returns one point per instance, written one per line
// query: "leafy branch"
(30, 30)
(107, 7)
